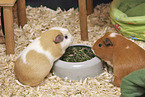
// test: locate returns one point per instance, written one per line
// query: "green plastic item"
(133, 85)
(128, 17)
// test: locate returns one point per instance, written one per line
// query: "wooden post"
(9, 29)
(21, 6)
(89, 6)
(83, 20)
(15, 14)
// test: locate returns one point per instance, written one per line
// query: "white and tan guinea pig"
(124, 55)
(35, 61)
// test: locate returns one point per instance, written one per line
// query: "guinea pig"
(36, 60)
(121, 53)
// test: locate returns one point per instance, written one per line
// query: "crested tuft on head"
(113, 34)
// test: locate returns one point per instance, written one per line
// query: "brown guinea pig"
(122, 54)
(35, 61)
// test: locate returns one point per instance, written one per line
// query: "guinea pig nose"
(93, 50)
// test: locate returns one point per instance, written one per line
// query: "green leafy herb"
(77, 54)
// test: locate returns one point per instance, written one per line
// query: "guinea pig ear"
(107, 42)
(58, 39)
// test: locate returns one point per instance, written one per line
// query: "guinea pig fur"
(35, 61)
(124, 55)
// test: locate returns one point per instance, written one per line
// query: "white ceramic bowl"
(78, 70)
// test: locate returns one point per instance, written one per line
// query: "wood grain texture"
(7, 2)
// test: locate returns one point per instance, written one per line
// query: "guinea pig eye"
(66, 37)
(100, 45)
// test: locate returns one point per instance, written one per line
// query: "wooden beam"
(9, 29)
(21, 7)
(83, 20)
(89, 6)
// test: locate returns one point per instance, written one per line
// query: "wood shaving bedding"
(41, 19)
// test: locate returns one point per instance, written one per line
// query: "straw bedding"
(39, 20)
